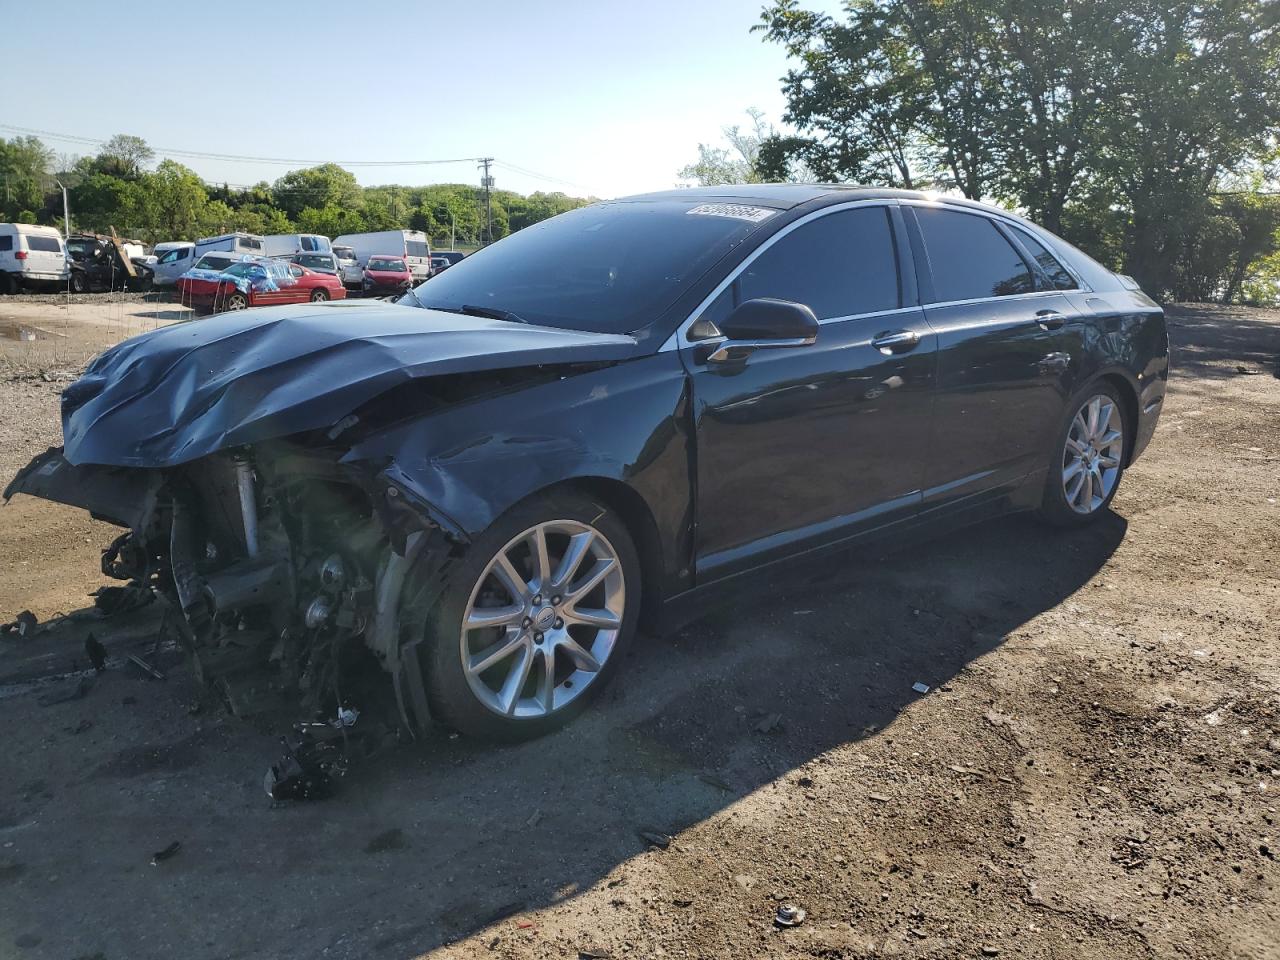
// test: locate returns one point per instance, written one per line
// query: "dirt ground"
(1095, 772)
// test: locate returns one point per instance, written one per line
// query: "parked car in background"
(384, 275)
(173, 259)
(439, 264)
(31, 256)
(351, 272)
(410, 244)
(287, 244)
(99, 262)
(243, 243)
(453, 256)
(319, 262)
(256, 282)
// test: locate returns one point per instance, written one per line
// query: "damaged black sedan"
(487, 485)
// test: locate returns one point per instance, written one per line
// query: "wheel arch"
(639, 520)
(1128, 390)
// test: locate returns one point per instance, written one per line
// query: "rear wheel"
(534, 619)
(319, 295)
(1088, 459)
(10, 284)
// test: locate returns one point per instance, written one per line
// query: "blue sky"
(608, 97)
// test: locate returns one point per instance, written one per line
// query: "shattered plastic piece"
(114, 600)
(96, 652)
(655, 839)
(161, 855)
(315, 755)
(769, 723)
(789, 915)
(145, 667)
(593, 953)
(919, 687)
(347, 717)
(23, 624)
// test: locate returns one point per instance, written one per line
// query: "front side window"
(839, 265)
(1058, 276)
(970, 258)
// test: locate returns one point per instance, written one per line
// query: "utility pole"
(66, 210)
(487, 182)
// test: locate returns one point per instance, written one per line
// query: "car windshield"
(608, 268)
(79, 248)
(213, 263)
(314, 260)
(344, 253)
(378, 263)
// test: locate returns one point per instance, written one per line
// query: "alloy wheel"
(543, 619)
(1092, 454)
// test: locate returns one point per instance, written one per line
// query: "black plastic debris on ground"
(318, 753)
(22, 626)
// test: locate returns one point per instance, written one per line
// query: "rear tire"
(1090, 451)
(10, 285)
(549, 676)
(319, 295)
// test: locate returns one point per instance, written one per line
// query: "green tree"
(24, 162)
(1139, 104)
(124, 156)
(734, 163)
(318, 187)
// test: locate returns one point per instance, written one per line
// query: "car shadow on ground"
(439, 840)
(795, 665)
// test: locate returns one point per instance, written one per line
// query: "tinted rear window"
(6, 243)
(970, 258)
(249, 243)
(610, 268)
(416, 248)
(44, 244)
(838, 265)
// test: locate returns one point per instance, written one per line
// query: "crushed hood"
(188, 390)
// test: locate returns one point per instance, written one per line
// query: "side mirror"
(764, 323)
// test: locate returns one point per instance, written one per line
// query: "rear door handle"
(896, 341)
(1050, 319)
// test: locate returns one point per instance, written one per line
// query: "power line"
(541, 176)
(205, 155)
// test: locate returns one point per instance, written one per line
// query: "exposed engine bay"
(286, 568)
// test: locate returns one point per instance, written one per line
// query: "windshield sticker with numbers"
(738, 211)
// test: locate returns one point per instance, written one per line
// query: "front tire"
(534, 619)
(1089, 457)
(78, 284)
(236, 301)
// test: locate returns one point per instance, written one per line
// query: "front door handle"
(1050, 319)
(896, 341)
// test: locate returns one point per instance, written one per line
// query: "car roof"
(784, 196)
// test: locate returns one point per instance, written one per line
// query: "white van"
(173, 259)
(410, 244)
(287, 244)
(31, 256)
(231, 242)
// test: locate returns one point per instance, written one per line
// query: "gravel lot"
(1094, 773)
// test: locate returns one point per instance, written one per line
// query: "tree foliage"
(117, 189)
(1111, 121)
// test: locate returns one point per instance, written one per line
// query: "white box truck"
(410, 244)
(287, 244)
(243, 243)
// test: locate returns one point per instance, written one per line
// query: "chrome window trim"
(679, 338)
(1011, 220)
(1029, 295)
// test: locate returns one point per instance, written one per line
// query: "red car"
(256, 282)
(386, 274)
